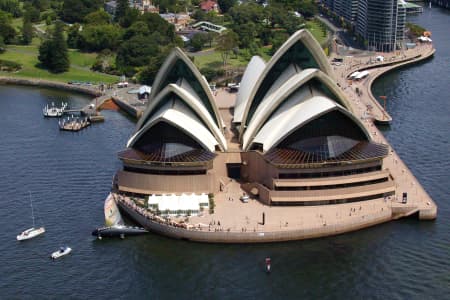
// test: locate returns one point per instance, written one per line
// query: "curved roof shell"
(254, 68)
(178, 66)
(291, 87)
(179, 115)
(300, 49)
(293, 116)
(193, 102)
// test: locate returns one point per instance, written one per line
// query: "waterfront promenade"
(366, 107)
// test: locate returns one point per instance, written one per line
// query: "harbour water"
(69, 175)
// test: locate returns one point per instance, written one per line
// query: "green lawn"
(317, 31)
(79, 68)
(213, 59)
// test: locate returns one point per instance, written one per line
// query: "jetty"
(73, 123)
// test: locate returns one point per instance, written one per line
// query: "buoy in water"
(268, 264)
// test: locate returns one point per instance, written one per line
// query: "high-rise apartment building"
(381, 23)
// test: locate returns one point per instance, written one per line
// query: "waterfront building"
(292, 139)
(347, 9)
(380, 23)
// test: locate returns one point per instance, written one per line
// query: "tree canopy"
(53, 52)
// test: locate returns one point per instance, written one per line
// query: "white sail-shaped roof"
(178, 66)
(254, 68)
(311, 48)
(291, 116)
(290, 83)
(179, 115)
(184, 92)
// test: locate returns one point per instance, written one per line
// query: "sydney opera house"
(290, 141)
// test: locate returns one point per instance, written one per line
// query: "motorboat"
(61, 252)
(54, 111)
(33, 231)
(118, 231)
(30, 233)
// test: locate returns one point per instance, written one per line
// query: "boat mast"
(32, 211)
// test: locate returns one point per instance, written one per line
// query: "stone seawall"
(129, 109)
(50, 84)
(206, 236)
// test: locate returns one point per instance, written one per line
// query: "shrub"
(9, 66)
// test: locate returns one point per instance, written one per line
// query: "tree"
(53, 53)
(73, 36)
(136, 52)
(2, 45)
(121, 9)
(198, 41)
(225, 5)
(99, 37)
(12, 7)
(7, 31)
(73, 11)
(99, 17)
(225, 44)
(27, 31)
(31, 13)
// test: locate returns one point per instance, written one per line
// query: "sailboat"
(33, 231)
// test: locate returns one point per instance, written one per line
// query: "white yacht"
(33, 231)
(61, 252)
(54, 111)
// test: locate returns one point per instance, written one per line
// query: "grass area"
(79, 68)
(317, 30)
(213, 59)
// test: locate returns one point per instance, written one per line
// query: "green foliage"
(278, 39)
(99, 37)
(12, 7)
(32, 13)
(7, 31)
(99, 17)
(73, 36)
(121, 9)
(226, 42)
(53, 52)
(198, 41)
(245, 13)
(73, 11)
(9, 66)
(212, 73)
(41, 5)
(149, 71)
(136, 52)
(130, 17)
(104, 62)
(27, 31)
(2, 45)
(225, 5)
(415, 29)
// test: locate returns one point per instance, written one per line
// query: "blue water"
(69, 175)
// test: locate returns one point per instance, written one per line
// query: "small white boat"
(33, 231)
(61, 252)
(30, 233)
(54, 111)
